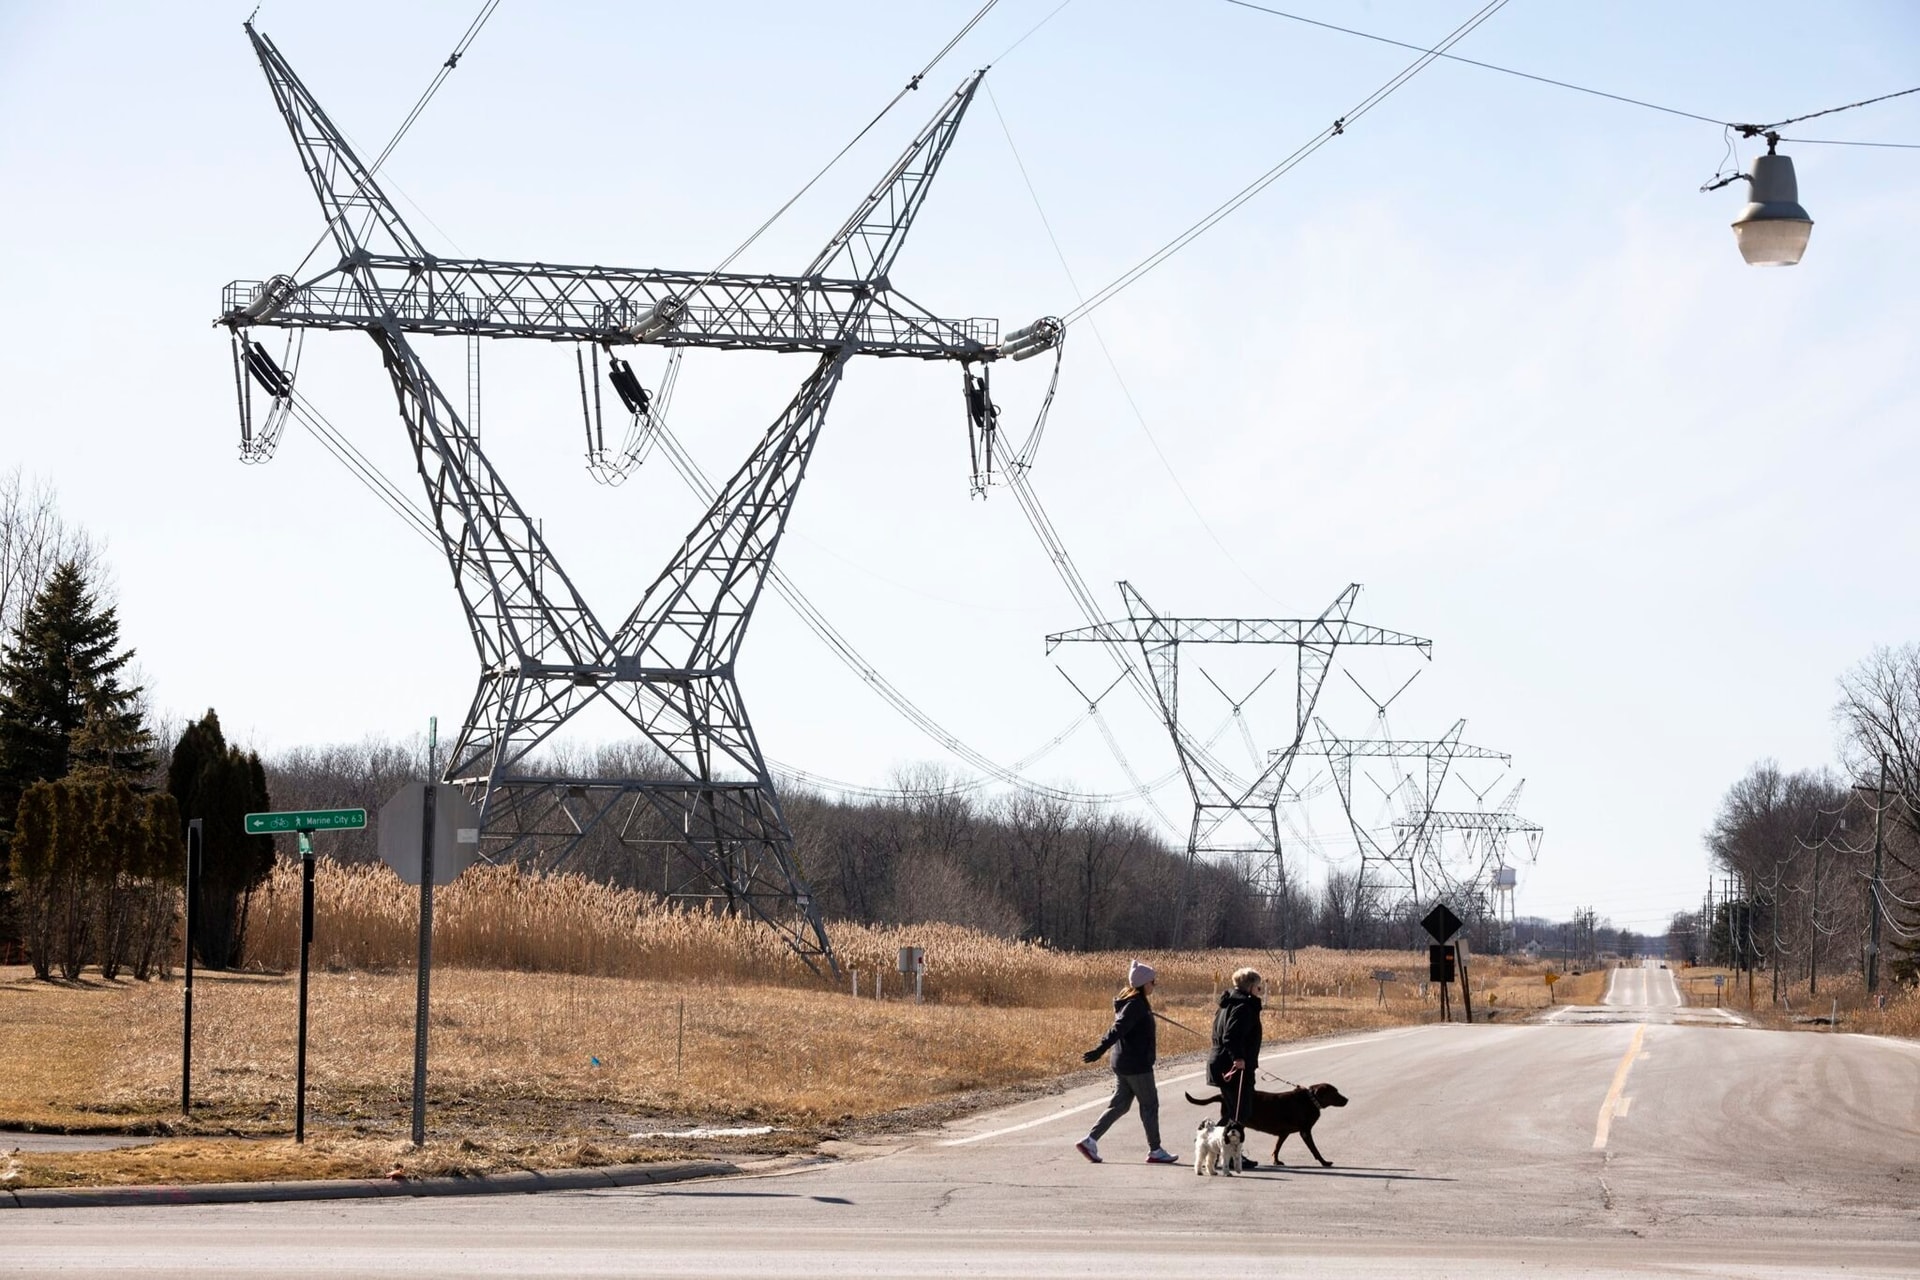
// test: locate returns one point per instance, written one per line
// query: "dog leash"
(1183, 1026)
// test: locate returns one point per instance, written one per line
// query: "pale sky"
(1490, 353)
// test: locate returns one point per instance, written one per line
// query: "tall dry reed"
(502, 918)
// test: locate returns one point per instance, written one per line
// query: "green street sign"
(307, 820)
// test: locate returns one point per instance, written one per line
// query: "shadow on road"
(752, 1195)
(1385, 1175)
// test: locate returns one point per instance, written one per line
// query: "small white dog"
(1216, 1148)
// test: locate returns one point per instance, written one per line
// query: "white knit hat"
(1139, 974)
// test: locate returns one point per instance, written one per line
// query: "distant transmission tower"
(1219, 796)
(1389, 876)
(669, 667)
(1471, 880)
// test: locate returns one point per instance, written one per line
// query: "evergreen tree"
(60, 688)
(221, 785)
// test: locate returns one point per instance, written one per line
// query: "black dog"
(1285, 1113)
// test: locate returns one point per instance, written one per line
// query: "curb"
(516, 1183)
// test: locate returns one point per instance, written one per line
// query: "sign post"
(303, 823)
(196, 830)
(425, 967)
(1383, 977)
(1466, 982)
(1552, 978)
(1441, 924)
(306, 949)
(448, 842)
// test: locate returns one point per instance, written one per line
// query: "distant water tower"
(1505, 879)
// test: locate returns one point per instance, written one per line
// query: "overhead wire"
(1051, 15)
(440, 77)
(1603, 93)
(912, 84)
(1337, 129)
(696, 479)
(1106, 353)
(358, 465)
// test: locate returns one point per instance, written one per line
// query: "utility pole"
(1773, 917)
(1813, 925)
(1874, 886)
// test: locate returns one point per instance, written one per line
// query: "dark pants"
(1235, 1090)
(1125, 1089)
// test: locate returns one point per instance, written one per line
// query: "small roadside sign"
(1385, 975)
(1440, 922)
(306, 820)
(1552, 977)
(1719, 979)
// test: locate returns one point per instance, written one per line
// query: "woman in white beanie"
(1131, 1039)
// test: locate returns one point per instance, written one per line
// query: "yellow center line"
(1619, 1084)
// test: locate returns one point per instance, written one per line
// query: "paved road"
(1636, 1146)
(1644, 993)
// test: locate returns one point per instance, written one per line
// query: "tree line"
(91, 798)
(1817, 870)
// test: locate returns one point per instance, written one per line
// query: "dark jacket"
(1131, 1037)
(1236, 1036)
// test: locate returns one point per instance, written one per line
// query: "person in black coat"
(1236, 1043)
(1132, 1043)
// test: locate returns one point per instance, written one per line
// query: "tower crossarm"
(615, 305)
(1306, 631)
(1399, 749)
(1471, 820)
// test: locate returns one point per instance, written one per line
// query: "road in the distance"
(1633, 1146)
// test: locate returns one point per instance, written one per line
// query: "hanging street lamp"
(1773, 229)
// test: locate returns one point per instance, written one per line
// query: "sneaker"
(1091, 1149)
(1247, 1162)
(1158, 1156)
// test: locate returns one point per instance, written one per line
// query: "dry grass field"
(573, 1024)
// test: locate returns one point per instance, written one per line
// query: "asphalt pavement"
(1630, 1144)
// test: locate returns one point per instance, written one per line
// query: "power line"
(1845, 142)
(1113, 365)
(696, 480)
(1474, 62)
(433, 87)
(912, 83)
(1750, 130)
(1814, 115)
(1336, 129)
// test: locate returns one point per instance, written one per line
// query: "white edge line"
(1050, 1117)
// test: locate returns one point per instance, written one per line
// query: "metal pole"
(306, 948)
(1466, 987)
(1873, 886)
(195, 833)
(1774, 962)
(1813, 926)
(426, 965)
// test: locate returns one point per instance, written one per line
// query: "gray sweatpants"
(1125, 1089)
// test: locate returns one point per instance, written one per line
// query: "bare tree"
(34, 538)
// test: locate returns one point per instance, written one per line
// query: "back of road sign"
(1441, 922)
(456, 832)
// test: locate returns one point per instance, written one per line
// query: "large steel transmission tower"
(1219, 796)
(1389, 871)
(669, 666)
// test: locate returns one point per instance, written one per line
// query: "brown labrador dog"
(1285, 1113)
